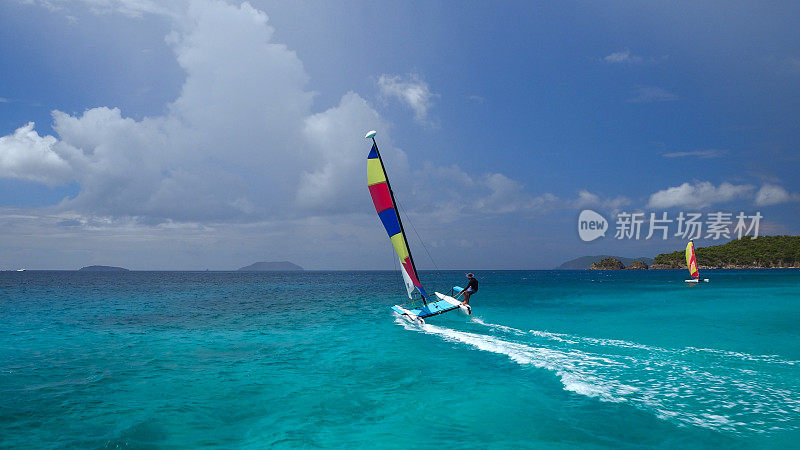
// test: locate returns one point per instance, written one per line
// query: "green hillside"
(763, 252)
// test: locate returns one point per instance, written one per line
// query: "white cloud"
(698, 195)
(26, 155)
(448, 194)
(506, 196)
(410, 90)
(587, 199)
(702, 154)
(650, 94)
(336, 141)
(771, 194)
(622, 57)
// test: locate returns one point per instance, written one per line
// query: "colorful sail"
(383, 198)
(691, 260)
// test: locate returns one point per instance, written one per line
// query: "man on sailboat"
(472, 287)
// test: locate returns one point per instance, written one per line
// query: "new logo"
(591, 225)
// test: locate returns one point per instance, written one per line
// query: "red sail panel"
(380, 196)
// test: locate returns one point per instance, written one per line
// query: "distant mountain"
(270, 266)
(102, 269)
(584, 262)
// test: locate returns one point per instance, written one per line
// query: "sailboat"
(421, 305)
(691, 263)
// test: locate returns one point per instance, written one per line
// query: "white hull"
(411, 317)
(696, 280)
(465, 308)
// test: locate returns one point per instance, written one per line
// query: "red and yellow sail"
(383, 199)
(691, 260)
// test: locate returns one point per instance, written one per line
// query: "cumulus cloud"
(341, 155)
(26, 155)
(651, 94)
(771, 194)
(410, 90)
(622, 57)
(702, 154)
(698, 195)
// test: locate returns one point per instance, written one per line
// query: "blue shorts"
(471, 291)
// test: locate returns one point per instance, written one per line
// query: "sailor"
(472, 287)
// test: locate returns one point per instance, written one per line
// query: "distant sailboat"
(383, 198)
(691, 263)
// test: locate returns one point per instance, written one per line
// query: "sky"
(193, 135)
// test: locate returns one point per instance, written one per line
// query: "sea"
(549, 359)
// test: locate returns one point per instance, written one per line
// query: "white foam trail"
(567, 365)
(495, 326)
(660, 380)
(571, 339)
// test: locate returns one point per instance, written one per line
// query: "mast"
(397, 213)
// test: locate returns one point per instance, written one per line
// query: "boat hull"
(444, 304)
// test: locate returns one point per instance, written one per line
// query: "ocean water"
(317, 359)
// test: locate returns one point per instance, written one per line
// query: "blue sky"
(208, 134)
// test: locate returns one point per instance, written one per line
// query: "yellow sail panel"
(375, 173)
(400, 246)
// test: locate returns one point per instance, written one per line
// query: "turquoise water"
(317, 359)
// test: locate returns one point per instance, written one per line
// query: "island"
(271, 266)
(607, 264)
(764, 252)
(585, 262)
(103, 269)
(612, 263)
(636, 265)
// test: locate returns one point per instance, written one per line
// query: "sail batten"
(382, 197)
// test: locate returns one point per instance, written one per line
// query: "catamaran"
(421, 305)
(691, 263)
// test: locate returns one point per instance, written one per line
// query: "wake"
(709, 388)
